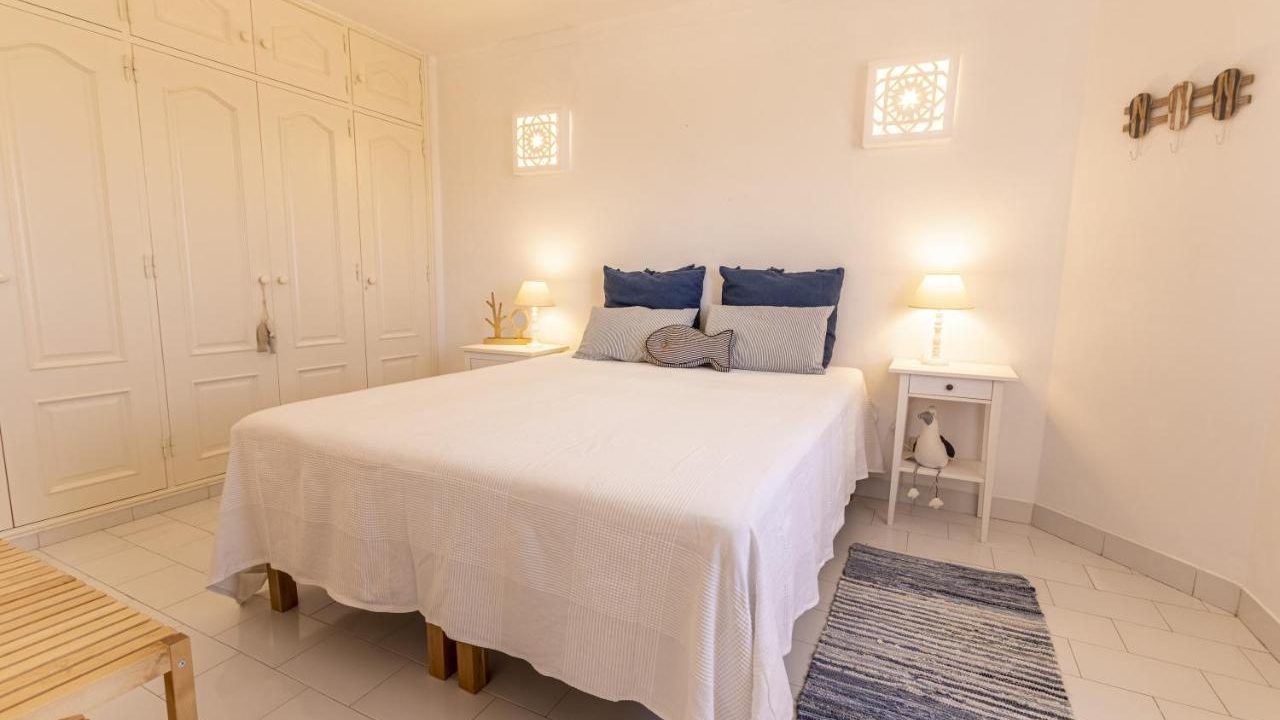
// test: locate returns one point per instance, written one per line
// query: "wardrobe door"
(219, 30)
(110, 13)
(386, 79)
(302, 48)
(395, 248)
(310, 165)
(208, 223)
(79, 396)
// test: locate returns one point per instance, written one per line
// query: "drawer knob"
(950, 387)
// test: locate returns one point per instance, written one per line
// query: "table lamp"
(533, 294)
(940, 292)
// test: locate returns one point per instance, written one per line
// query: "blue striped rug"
(915, 639)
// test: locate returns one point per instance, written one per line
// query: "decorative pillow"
(619, 333)
(681, 346)
(818, 288)
(680, 288)
(773, 339)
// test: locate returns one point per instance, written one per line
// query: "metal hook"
(1135, 150)
(1176, 144)
(1221, 137)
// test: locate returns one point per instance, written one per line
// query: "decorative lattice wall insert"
(541, 142)
(909, 102)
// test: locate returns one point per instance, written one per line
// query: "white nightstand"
(480, 355)
(956, 382)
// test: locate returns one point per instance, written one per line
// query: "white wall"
(727, 132)
(1264, 574)
(1166, 376)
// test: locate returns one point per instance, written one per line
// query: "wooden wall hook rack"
(1180, 104)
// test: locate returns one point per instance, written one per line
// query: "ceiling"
(447, 26)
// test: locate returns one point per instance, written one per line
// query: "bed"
(640, 533)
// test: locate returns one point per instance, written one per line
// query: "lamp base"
(935, 355)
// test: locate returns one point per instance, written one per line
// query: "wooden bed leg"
(180, 681)
(284, 591)
(473, 668)
(442, 653)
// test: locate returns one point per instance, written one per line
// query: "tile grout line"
(1192, 667)
(1153, 698)
(1258, 667)
(1216, 694)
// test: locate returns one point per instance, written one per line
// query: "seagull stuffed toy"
(930, 452)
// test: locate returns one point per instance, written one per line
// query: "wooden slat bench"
(66, 647)
(444, 655)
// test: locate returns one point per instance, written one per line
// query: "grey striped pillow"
(619, 333)
(773, 339)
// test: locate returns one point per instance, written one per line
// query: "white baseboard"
(1261, 622)
(66, 527)
(1209, 587)
(1172, 571)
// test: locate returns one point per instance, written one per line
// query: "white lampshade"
(941, 292)
(534, 293)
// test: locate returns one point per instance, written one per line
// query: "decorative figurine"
(496, 322)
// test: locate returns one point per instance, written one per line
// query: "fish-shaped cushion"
(685, 347)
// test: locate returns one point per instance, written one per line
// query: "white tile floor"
(1130, 648)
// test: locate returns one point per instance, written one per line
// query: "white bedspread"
(641, 533)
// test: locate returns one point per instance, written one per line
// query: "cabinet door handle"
(359, 78)
(244, 36)
(282, 279)
(371, 280)
(266, 44)
(3, 278)
(950, 387)
(263, 280)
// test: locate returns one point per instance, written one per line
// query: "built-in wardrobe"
(174, 174)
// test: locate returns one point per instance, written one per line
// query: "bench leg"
(473, 668)
(442, 653)
(180, 681)
(284, 591)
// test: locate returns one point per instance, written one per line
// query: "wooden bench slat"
(35, 659)
(54, 626)
(14, 567)
(9, 594)
(28, 577)
(12, 559)
(17, 612)
(149, 646)
(9, 551)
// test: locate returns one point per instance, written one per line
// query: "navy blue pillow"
(780, 288)
(674, 290)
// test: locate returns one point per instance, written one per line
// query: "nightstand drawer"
(475, 362)
(951, 387)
